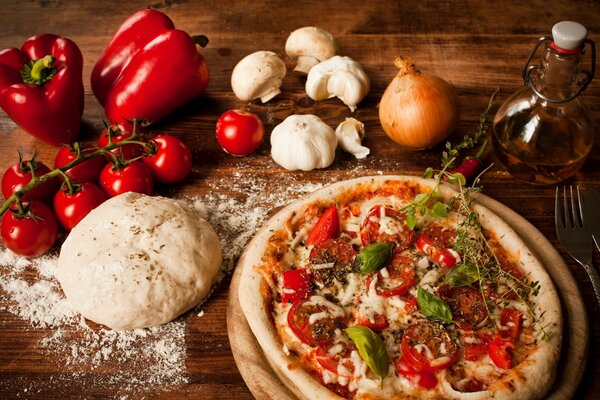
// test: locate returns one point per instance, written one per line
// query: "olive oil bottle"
(542, 134)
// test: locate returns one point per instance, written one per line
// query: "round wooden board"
(264, 383)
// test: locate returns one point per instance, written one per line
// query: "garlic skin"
(258, 75)
(350, 134)
(303, 142)
(340, 77)
(310, 45)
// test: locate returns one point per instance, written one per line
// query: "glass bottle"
(542, 134)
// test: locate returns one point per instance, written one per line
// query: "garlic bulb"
(350, 134)
(340, 77)
(303, 142)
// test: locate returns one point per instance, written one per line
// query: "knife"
(591, 208)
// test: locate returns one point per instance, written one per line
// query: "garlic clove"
(310, 45)
(258, 75)
(350, 133)
(339, 77)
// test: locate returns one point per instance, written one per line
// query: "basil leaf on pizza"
(463, 274)
(418, 278)
(433, 307)
(373, 257)
(371, 349)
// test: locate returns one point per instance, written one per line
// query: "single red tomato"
(115, 134)
(133, 177)
(320, 331)
(342, 357)
(87, 171)
(19, 175)
(71, 208)
(384, 224)
(442, 351)
(239, 132)
(435, 241)
(398, 278)
(169, 159)
(30, 235)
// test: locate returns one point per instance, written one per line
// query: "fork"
(574, 234)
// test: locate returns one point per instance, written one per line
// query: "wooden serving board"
(264, 383)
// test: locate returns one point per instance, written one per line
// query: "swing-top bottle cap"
(568, 35)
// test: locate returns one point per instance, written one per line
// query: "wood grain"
(477, 45)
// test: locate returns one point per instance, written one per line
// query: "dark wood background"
(477, 45)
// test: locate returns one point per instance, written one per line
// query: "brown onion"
(418, 110)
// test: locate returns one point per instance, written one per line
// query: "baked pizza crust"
(540, 367)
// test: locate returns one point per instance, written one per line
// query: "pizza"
(395, 287)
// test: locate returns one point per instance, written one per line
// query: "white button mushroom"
(338, 77)
(303, 142)
(310, 45)
(350, 134)
(258, 75)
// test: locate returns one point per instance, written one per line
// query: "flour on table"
(144, 358)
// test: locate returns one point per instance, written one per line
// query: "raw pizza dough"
(531, 380)
(138, 261)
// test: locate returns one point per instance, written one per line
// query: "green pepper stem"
(200, 40)
(39, 71)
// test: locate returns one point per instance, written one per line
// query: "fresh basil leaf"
(371, 348)
(457, 178)
(411, 221)
(462, 274)
(438, 210)
(428, 173)
(433, 307)
(373, 257)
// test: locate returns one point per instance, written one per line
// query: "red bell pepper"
(327, 227)
(148, 69)
(41, 87)
(296, 285)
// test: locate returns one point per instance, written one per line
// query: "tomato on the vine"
(19, 175)
(87, 171)
(169, 159)
(132, 177)
(239, 132)
(32, 234)
(117, 134)
(70, 208)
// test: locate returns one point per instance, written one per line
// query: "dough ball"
(138, 261)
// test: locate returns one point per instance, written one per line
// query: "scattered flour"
(138, 359)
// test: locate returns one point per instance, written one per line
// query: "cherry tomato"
(435, 241)
(511, 321)
(71, 208)
(30, 236)
(87, 171)
(19, 175)
(424, 379)
(327, 227)
(396, 278)
(428, 347)
(336, 251)
(337, 358)
(466, 303)
(296, 285)
(133, 177)
(384, 224)
(376, 322)
(239, 132)
(118, 134)
(319, 332)
(169, 159)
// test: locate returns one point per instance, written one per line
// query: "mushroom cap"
(310, 45)
(258, 75)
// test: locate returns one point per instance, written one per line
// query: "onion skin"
(418, 110)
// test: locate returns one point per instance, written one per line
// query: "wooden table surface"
(476, 45)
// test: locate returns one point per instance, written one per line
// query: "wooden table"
(478, 46)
